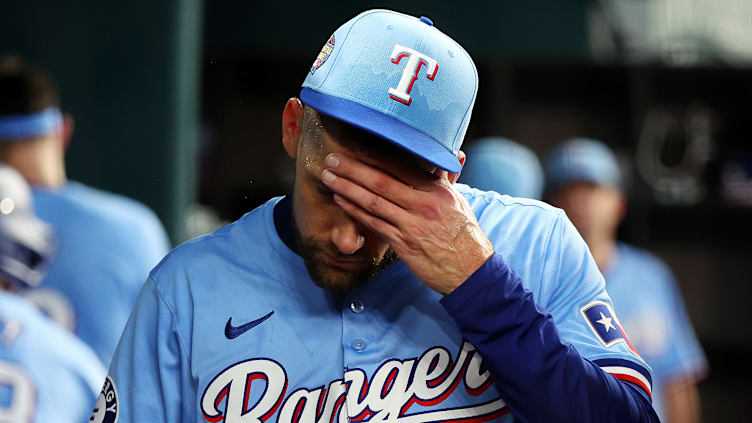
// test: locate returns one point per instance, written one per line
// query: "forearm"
(540, 377)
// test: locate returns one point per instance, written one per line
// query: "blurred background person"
(107, 243)
(46, 373)
(584, 179)
(502, 165)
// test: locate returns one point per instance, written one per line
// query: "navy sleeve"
(540, 377)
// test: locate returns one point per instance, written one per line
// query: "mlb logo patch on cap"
(399, 77)
(602, 320)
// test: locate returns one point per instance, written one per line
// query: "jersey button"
(358, 344)
(357, 306)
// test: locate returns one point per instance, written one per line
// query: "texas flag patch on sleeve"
(602, 320)
(606, 327)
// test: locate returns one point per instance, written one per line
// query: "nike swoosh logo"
(232, 332)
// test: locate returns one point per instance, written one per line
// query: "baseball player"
(378, 290)
(502, 165)
(46, 373)
(584, 179)
(107, 243)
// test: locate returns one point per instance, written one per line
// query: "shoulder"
(229, 246)
(212, 269)
(63, 351)
(115, 226)
(73, 354)
(491, 201)
(84, 203)
(512, 222)
(524, 232)
(491, 207)
(15, 308)
(112, 206)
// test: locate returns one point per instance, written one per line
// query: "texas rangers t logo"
(410, 73)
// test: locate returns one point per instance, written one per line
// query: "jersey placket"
(373, 351)
(356, 337)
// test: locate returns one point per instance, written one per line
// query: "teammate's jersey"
(46, 373)
(651, 308)
(106, 246)
(230, 327)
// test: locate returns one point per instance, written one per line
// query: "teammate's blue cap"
(502, 165)
(399, 77)
(582, 160)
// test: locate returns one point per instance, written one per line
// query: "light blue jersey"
(650, 306)
(230, 327)
(106, 246)
(46, 374)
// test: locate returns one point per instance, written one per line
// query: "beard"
(335, 279)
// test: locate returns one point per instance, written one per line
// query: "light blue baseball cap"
(502, 165)
(582, 160)
(399, 77)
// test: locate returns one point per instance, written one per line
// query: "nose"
(348, 236)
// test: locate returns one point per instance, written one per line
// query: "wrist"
(469, 271)
(493, 274)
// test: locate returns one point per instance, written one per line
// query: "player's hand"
(424, 219)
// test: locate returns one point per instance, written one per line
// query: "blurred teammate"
(107, 243)
(584, 179)
(379, 291)
(46, 373)
(504, 166)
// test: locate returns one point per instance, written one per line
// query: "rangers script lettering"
(387, 397)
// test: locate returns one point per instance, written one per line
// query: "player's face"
(593, 209)
(339, 252)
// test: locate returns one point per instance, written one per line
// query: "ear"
(461, 157)
(292, 120)
(622, 206)
(67, 130)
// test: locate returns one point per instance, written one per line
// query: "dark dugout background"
(179, 102)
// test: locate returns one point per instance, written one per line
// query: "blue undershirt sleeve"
(540, 377)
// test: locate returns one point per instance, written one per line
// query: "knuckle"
(431, 211)
(381, 183)
(415, 230)
(411, 244)
(375, 203)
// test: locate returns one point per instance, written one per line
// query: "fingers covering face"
(372, 202)
(379, 226)
(383, 202)
(375, 180)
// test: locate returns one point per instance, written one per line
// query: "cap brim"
(385, 126)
